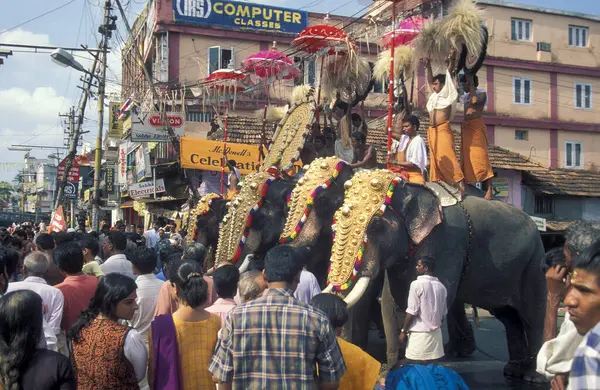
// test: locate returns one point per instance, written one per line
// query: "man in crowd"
(583, 303)
(90, 248)
(308, 286)
(148, 287)
(425, 311)
(251, 286)
(410, 156)
(444, 164)
(365, 155)
(225, 279)
(114, 245)
(45, 243)
(151, 235)
(300, 338)
(474, 143)
(77, 288)
(34, 268)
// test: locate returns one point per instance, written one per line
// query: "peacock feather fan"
(463, 26)
(428, 44)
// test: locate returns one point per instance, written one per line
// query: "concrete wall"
(539, 107)
(537, 146)
(514, 186)
(591, 148)
(566, 99)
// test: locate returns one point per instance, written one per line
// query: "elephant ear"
(420, 209)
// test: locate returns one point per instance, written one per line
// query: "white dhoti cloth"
(425, 345)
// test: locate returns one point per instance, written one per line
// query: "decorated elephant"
(487, 254)
(204, 221)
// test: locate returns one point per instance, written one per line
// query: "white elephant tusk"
(244, 267)
(358, 291)
(328, 289)
(210, 271)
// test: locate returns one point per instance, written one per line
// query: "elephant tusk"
(328, 289)
(358, 291)
(245, 264)
(210, 271)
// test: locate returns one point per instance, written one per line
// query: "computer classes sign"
(240, 15)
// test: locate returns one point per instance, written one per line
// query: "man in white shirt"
(409, 151)
(151, 235)
(148, 287)
(114, 245)
(308, 287)
(424, 314)
(34, 268)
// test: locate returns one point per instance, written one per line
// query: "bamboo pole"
(391, 87)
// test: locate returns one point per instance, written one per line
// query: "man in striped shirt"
(277, 341)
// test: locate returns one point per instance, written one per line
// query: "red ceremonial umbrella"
(320, 38)
(225, 79)
(404, 34)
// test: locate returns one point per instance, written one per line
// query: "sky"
(34, 90)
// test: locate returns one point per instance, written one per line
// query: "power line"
(37, 17)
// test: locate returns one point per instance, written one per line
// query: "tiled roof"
(244, 130)
(571, 182)
(499, 157)
(558, 225)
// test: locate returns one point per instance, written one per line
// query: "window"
(578, 36)
(573, 154)
(219, 58)
(520, 29)
(198, 116)
(307, 70)
(544, 204)
(583, 95)
(521, 135)
(521, 90)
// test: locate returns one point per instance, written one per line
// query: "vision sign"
(240, 15)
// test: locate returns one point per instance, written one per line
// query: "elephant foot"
(532, 376)
(514, 370)
(462, 350)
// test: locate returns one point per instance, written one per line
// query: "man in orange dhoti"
(444, 164)
(474, 151)
(410, 158)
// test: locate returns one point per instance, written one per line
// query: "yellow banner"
(115, 127)
(206, 155)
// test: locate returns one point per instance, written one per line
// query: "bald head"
(36, 264)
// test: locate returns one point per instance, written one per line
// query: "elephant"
(207, 225)
(487, 254)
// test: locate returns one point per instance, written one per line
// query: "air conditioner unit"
(544, 46)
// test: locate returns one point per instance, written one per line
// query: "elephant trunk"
(358, 291)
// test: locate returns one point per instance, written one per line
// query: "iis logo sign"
(194, 8)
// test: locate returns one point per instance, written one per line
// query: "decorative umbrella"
(407, 31)
(225, 79)
(322, 39)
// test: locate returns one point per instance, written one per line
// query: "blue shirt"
(585, 371)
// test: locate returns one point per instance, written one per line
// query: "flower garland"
(194, 215)
(310, 203)
(361, 250)
(242, 243)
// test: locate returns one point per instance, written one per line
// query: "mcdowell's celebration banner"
(206, 155)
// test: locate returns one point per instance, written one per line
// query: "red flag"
(57, 224)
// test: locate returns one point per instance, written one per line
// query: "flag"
(58, 223)
(125, 108)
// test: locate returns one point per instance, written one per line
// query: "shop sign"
(143, 169)
(207, 155)
(500, 187)
(150, 127)
(146, 189)
(86, 195)
(71, 190)
(115, 126)
(540, 223)
(122, 174)
(110, 180)
(241, 15)
(73, 172)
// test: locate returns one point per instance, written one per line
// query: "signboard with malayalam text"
(146, 189)
(206, 155)
(110, 180)
(241, 15)
(73, 172)
(115, 126)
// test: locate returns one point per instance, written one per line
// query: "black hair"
(282, 264)
(20, 233)
(356, 117)
(589, 260)
(475, 81)
(45, 242)
(20, 331)
(89, 242)
(14, 241)
(321, 138)
(359, 136)
(117, 239)
(193, 290)
(195, 252)
(112, 289)
(440, 77)
(144, 259)
(341, 105)
(69, 257)
(226, 279)
(428, 262)
(139, 226)
(333, 306)
(135, 238)
(580, 235)
(413, 120)
(554, 256)
(60, 237)
(232, 162)
(9, 259)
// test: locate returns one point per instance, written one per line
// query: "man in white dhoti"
(426, 309)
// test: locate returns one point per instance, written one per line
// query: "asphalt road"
(483, 369)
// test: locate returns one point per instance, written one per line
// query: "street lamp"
(65, 59)
(15, 148)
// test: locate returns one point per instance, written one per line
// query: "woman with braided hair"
(182, 344)
(22, 365)
(106, 354)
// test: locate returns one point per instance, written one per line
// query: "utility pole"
(106, 30)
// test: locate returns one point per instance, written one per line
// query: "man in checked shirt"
(277, 341)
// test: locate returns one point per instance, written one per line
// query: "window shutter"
(578, 155)
(527, 91)
(578, 103)
(569, 153)
(513, 30)
(570, 36)
(588, 96)
(517, 90)
(520, 29)
(213, 58)
(577, 37)
(527, 30)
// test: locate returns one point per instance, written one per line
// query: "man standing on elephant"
(474, 144)
(444, 164)
(424, 314)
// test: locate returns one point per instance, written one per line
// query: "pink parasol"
(270, 63)
(404, 34)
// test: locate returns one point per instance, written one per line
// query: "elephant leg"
(515, 339)
(462, 341)
(393, 319)
(356, 329)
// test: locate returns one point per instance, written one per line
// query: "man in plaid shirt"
(583, 303)
(277, 341)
